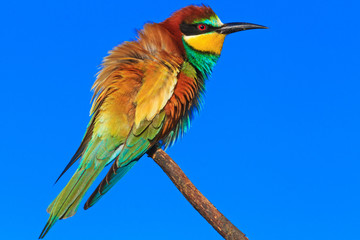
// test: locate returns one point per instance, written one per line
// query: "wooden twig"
(217, 220)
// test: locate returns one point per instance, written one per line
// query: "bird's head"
(198, 28)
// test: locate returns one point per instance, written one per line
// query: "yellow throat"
(208, 42)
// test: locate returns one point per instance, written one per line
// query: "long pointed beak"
(238, 26)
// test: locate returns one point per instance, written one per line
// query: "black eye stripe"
(193, 29)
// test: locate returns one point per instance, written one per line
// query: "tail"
(111, 178)
(67, 202)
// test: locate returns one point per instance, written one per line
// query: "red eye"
(202, 27)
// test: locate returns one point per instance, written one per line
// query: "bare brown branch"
(217, 220)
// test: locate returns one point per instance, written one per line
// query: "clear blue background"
(276, 148)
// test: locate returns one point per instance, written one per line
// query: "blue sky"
(276, 148)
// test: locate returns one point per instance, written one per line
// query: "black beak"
(238, 26)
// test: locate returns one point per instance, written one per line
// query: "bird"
(146, 93)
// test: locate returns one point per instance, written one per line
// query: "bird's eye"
(202, 27)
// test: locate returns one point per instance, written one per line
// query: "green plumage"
(67, 202)
(98, 154)
(204, 62)
(138, 142)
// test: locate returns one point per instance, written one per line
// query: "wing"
(109, 128)
(159, 81)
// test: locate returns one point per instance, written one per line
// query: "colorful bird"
(146, 93)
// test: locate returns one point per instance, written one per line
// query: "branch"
(217, 220)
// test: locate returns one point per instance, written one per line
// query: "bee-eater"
(146, 93)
